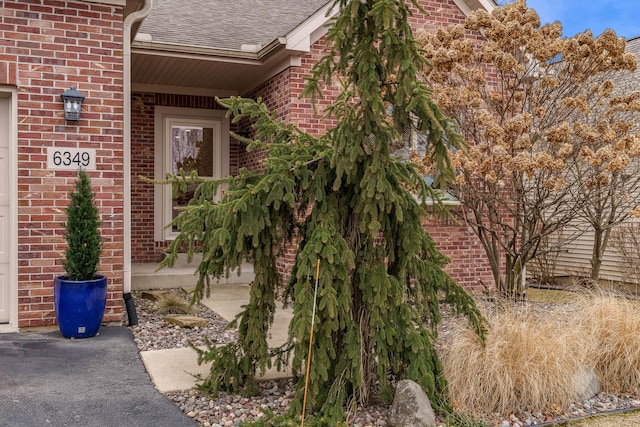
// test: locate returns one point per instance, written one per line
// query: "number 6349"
(67, 158)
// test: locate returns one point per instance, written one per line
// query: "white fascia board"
(489, 5)
(466, 8)
(111, 2)
(463, 6)
(304, 35)
(194, 52)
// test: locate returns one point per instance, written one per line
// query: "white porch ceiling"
(208, 73)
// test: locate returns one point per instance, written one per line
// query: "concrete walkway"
(174, 369)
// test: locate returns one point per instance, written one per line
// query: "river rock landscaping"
(152, 333)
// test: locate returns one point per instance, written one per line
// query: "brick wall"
(440, 13)
(142, 164)
(47, 47)
(468, 264)
(276, 93)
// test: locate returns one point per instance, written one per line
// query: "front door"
(5, 223)
(192, 140)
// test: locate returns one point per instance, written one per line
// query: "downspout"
(131, 19)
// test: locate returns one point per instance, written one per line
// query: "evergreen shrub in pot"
(80, 295)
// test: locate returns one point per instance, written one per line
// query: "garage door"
(4, 208)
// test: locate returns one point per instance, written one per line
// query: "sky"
(576, 16)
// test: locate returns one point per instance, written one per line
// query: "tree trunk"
(600, 242)
(596, 257)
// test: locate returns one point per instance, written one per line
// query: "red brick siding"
(8, 70)
(276, 94)
(468, 264)
(142, 164)
(284, 263)
(48, 46)
(302, 111)
(187, 101)
(440, 14)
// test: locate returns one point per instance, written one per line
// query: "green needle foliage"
(345, 199)
(82, 234)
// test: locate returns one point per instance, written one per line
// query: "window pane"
(191, 150)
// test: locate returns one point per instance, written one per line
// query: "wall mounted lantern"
(72, 100)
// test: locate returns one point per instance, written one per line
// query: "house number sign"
(71, 158)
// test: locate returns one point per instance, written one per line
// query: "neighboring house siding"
(574, 261)
(575, 258)
(48, 46)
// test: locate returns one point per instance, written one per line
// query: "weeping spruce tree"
(345, 199)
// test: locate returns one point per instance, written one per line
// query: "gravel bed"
(274, 396)
(153, 333)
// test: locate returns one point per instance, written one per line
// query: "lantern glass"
(72, 102)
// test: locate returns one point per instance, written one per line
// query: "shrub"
(528, 362)
(82, 234)
(173, 304)
(613, 325)
(531, 357)
(543, 268)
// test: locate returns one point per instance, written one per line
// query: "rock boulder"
(411, 407)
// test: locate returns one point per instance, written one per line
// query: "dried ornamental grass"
(173, 304)
(528, 363)
(613, 324)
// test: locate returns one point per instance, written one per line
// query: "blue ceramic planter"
(80, 305)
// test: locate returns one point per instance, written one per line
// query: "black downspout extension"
(130, 304)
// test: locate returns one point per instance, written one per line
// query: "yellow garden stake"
(313, 319)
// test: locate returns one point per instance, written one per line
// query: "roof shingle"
(226, 24)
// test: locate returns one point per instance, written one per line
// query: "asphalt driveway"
(48, 380)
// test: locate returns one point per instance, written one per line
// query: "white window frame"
(12, 94)
(165, 118)
(411, 136)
